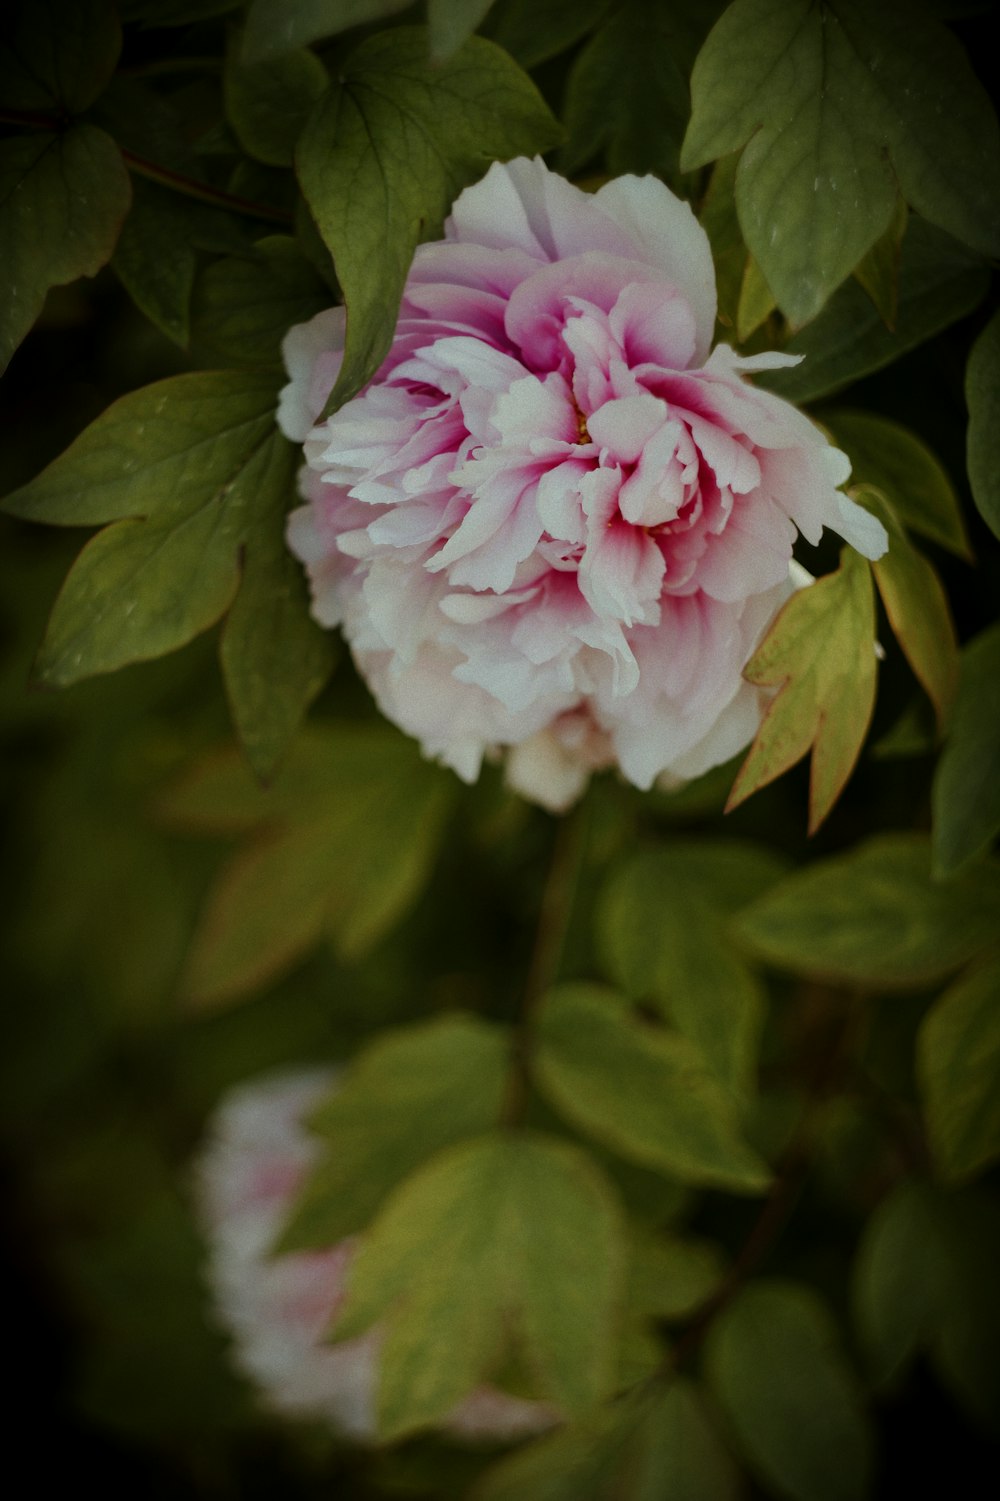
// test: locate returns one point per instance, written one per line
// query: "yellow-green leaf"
(641, 1089)
(506, 1238)
(820, 654)
(917, 607)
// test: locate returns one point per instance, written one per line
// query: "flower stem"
(555, 911)
(790, 1178)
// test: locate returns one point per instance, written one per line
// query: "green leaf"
(58, 53)
(820, 653)
(411, 1093)
(878, 270)
(277, 26)
(982, 392)
(958, 1067)
(640, 1089)
(897, 462)
(342, 842)
(729, 253)
(874, 917)
(193, 473)
(659, 1445)
(939, 282)
(900, 1278)
(917, 607)
(275, 658)
(966, 1350)
(638, 128)
(775, 1366)
(660, 926)
(966, 792)
(243, 307)
(925, 1278)
(680, 1453)
(912, 734)
(532, 33)
(268, 103)
(756, 302)
(782, 78)
(506, 1233)
(833, 103)
(155, 257)
(452, 22)
(62, 201)
(387, 151)
(580, 1461)
(669, 1278)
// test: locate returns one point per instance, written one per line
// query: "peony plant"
(456, 1048)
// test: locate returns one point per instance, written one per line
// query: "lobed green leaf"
(269, 102)
(274, 27)
(775, 1366)
(275, 658)
(887, 455)
(532, 34)
(347, 835)
(58, 54)
(662, 1443)
(820, 654)
(917, 607)
(638, 128)
(155, 257)
(832, 103)
(190, 470)
(925, 1278)
(386, 152)
(874, 916)
(939, 282)
(660, 925)
(450, 23)
(410, 1094)
(878, 270)
(244, 306)
(900, 1278)
(640, 1089)
(62, 202)
(503, 1232)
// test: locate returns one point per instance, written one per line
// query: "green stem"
(554, 915)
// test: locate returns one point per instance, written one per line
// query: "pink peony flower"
(553, 524)
(279, 1309)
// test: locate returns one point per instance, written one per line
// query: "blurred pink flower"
(553, 523)
(279, 1309)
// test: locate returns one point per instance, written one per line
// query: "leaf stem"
(554, 913)
(166, 66)
(192, 188)
(179, 182)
